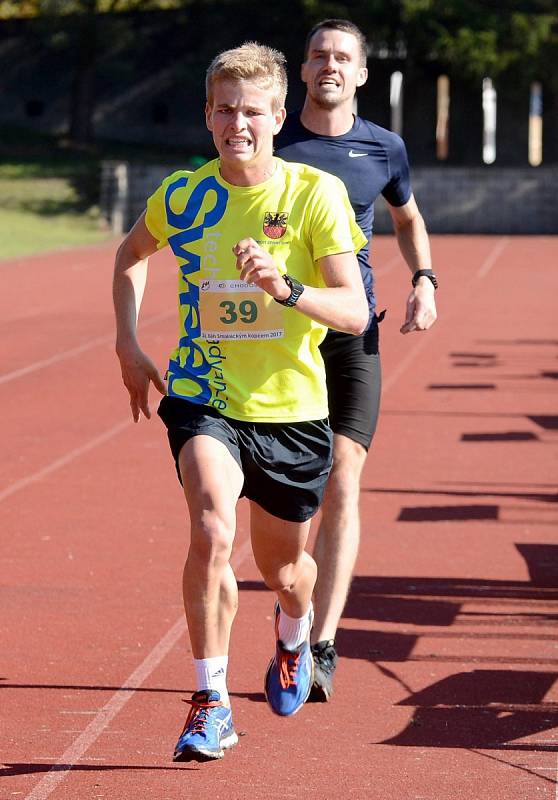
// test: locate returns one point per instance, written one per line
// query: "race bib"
(238, 310)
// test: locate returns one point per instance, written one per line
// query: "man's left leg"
(287, 569)
(335, 550)
(354, 383)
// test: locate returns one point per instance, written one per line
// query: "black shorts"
(354, 381)
(285, 466)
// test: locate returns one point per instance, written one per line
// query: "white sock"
(293, 632)
(211, 673)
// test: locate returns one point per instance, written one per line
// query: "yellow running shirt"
(239, 351)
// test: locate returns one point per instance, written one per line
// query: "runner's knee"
(348, 462)
(281, 577)
(211, 540)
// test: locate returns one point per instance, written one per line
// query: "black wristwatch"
(296, 290)
(426, 273)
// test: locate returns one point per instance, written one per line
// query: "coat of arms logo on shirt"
(275, 224)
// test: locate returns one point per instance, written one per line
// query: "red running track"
(447, 683)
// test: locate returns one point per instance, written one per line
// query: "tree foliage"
(477, 39)
(470, 38)
(515, 41)
(36, 8)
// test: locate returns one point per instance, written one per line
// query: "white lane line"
(493, 257)
(39, 259)
(105, 716)
(387, 266)
(76, 351)
(85, 740)
(63, 460)
(408, 359)
(47, 362)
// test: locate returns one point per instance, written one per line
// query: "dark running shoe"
(325, 661)
(208, 731)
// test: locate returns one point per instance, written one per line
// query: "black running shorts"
(285, 466)
(354, 381)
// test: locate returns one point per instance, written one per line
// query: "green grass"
(42, 213)
(25, 233)
(49, 191)
(46, 206)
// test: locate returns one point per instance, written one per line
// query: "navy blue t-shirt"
(369, 160)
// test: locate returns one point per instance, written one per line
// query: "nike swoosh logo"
(356, 155)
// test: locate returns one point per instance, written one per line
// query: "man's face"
(332, 70)
(243, 122)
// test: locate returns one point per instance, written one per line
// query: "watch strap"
(296, 290)
(425, 273)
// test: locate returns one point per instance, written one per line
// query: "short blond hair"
(255, 62)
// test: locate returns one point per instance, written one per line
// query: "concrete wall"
(499, 200)
(506, 200)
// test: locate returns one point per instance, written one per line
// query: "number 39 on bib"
(238, 310)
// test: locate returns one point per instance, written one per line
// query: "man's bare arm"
(412, 238)
(130, 276)
(341, 304)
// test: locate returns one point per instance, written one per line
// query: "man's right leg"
(212, 482)
(335, 552)
(338, 537)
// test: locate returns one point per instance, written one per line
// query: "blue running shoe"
(208, 731)
(289, 677)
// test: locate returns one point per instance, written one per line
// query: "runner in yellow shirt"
(221, 317)
(266, 263)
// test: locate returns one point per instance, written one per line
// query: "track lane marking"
(493, 257)
(490, 260)
(59, 771)
(76, 351)
(66, 459)
(104, 717)
(388, 265)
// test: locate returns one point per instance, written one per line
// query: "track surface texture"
(447, 682)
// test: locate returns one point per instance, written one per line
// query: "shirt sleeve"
(156, 218)
(397, 191)
(159, 206)
(333, 227)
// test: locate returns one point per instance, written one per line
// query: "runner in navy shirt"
(371, 161)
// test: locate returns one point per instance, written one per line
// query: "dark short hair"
(344, 25)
